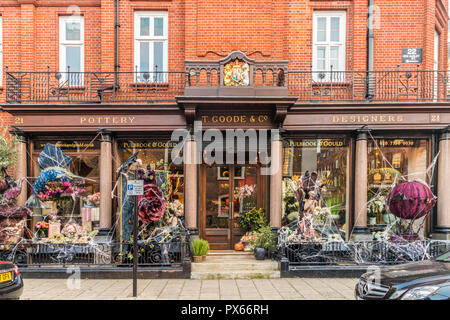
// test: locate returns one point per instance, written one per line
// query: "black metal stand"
(135, 246)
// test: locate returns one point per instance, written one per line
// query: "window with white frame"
(150, 45)
(71, 49)
(329, 31)
(1, 49)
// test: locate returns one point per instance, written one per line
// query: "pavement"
(186, 289)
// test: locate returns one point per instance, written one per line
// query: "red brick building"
(139, 69)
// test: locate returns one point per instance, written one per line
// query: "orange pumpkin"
(239, 246)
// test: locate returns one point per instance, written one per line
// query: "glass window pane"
(334, 57)
(145, 27)
(321, 54)
(73, 31)
(158, 56)
(144, 55)
(335, 29)
(321, 167)
(322, 29)
(73, 58)
(159, 26)
(395, 160)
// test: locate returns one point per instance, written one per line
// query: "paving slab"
(187, 289)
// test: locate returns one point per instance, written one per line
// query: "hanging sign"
(135, 187)
(412, 55)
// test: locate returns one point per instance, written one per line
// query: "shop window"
(150, 45)
(85, 210)
(326, 162)
(329, 33)
(390, 162)
(71, 50)
(153, 154)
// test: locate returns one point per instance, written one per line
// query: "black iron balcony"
(93, 87)
(377, 86)
(162, 87)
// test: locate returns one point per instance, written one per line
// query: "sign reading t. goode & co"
(236, 119)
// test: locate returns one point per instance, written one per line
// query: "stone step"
(218, 259)
(235, 275)
(252, 265)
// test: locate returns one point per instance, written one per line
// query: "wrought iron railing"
(93, 87)
(150, 254)
(362, 86)
(361, 252)
(160, 87)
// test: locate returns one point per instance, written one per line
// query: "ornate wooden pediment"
(236, 75)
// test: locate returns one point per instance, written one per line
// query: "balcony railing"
(93, 87)
(162, 87)
(377, 86)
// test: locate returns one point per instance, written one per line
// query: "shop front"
(247, 146)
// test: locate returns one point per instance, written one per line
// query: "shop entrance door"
(225, 192)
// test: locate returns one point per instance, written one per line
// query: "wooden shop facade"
(356, 134)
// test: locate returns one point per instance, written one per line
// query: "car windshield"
(444, 257)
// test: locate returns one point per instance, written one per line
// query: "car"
(423, 280)
(11, 283)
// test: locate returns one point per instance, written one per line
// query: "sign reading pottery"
(236, 73)
(412, 55)
(96, 120)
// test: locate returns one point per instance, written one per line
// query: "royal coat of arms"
(236, 73)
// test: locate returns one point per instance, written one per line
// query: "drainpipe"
(370, 52)
(116, 31)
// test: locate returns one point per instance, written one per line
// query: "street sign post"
(135, 188)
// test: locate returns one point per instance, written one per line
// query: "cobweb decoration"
(53, 156)
(389, 246)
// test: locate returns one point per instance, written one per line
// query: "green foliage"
(252, 220)
(8, 153)
(200, 247)
(334, 205)
(264, 238)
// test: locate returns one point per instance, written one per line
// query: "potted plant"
(252, 220)
(264, 241)
(374, 208)
(335, 207)
(200, 248)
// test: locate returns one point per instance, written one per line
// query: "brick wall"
(210, 29)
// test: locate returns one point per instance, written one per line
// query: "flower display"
(42, 225)
(176, 208)
(244, 191)
(94, 199)
(54, 190)
(71, 230)
(152, 205)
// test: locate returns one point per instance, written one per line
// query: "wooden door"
(227, 191)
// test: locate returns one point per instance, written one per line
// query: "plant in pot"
(335, 207)
(264, 241)
(200, 249)
(250, 221)
(374, 208)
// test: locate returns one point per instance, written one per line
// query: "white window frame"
(64, 44)
(1, 49)
(151, 38)
(328, 43)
